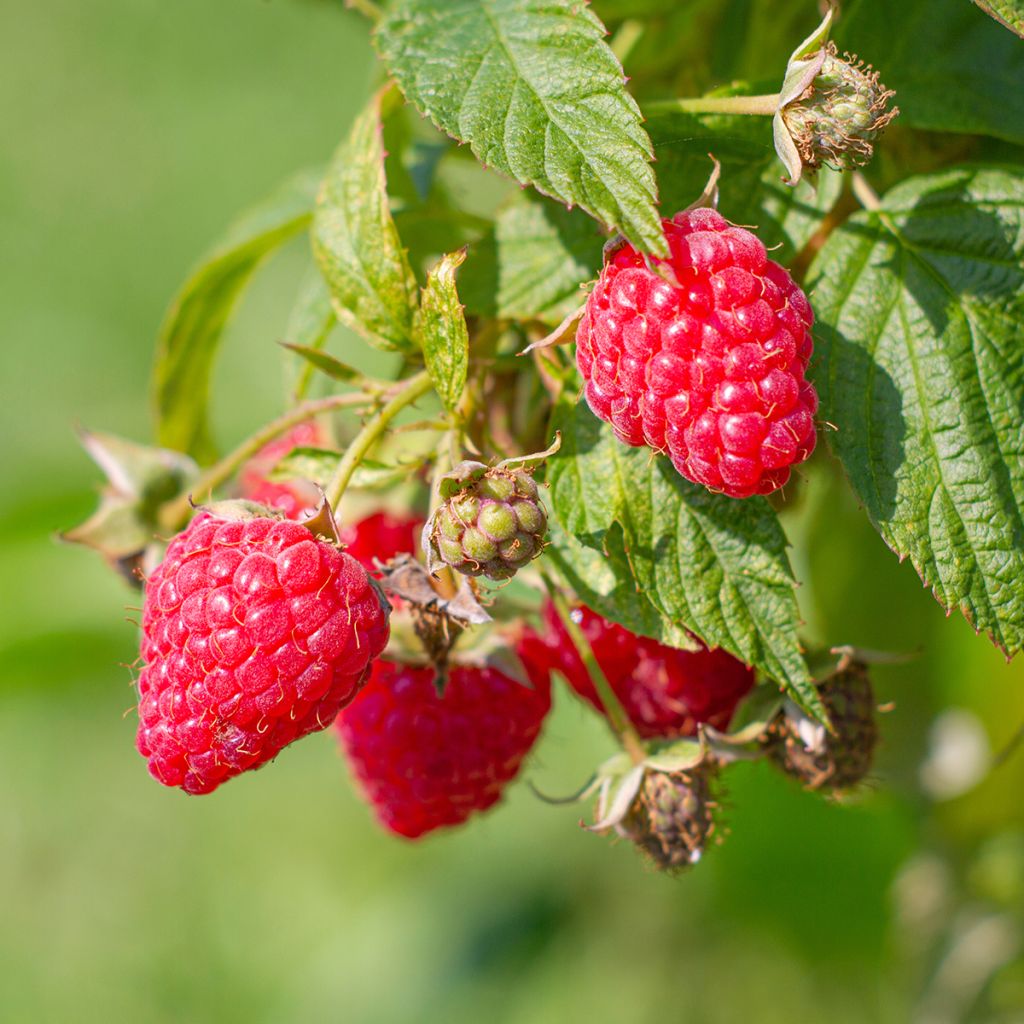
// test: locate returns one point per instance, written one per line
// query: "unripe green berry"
(498, 521)
(837, 119)
(491, 524)
(824, 760)
(477, 546)
(531, 516)
(465, 508)
(672, 816)
(449, 526)
(501, 488)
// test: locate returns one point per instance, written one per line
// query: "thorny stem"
(763, 105)
(617, 717)
(177, 509)
(415, 387)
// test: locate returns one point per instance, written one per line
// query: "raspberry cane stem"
(176, 511)
(765, 105)
(617, 717)
(415, 387)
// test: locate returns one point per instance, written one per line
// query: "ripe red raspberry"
(426, 762)
(254, 633)
(381, 536)
(292, 497)
(711, 371)
(665, 691)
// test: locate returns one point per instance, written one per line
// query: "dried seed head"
(840, 114)
(672, 817)
(820, 759)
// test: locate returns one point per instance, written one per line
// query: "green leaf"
(194, 325)
(310, 324)
(325, 363)
(356, 243)
(139, 480)
(537, 93)
(953, 69)
(441, 331)
(320, 464)
(921, 369)
(638, 535)
(533, 264)
(1009, 13)
(751, 188)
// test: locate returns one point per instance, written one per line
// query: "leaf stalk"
(175, 511)
(619, 721)
(758, 105)
(412, 389)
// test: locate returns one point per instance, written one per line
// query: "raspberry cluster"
(665, 691)
(426, 761)
(254, 634)
(706, 363)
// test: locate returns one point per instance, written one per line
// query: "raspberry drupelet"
(709, 369)
(255, 632)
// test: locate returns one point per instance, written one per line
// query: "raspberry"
(254, 633)
(426, 761)
(672, 817)
(381, 536)
(294, 496)
(491, 523)
(711, 369)
(829, 761)
(665, 691)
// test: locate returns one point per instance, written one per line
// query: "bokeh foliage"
(134, 131)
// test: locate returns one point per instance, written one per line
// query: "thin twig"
(175, 511)
(413, 388)
(759, 105)
(619, 721)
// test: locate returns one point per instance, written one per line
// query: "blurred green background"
(133, 131)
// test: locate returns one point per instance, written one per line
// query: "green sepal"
(140, 480)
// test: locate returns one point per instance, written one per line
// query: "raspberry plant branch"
(764, 105)
(412, 389)
(616, 713)
(174, 512)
